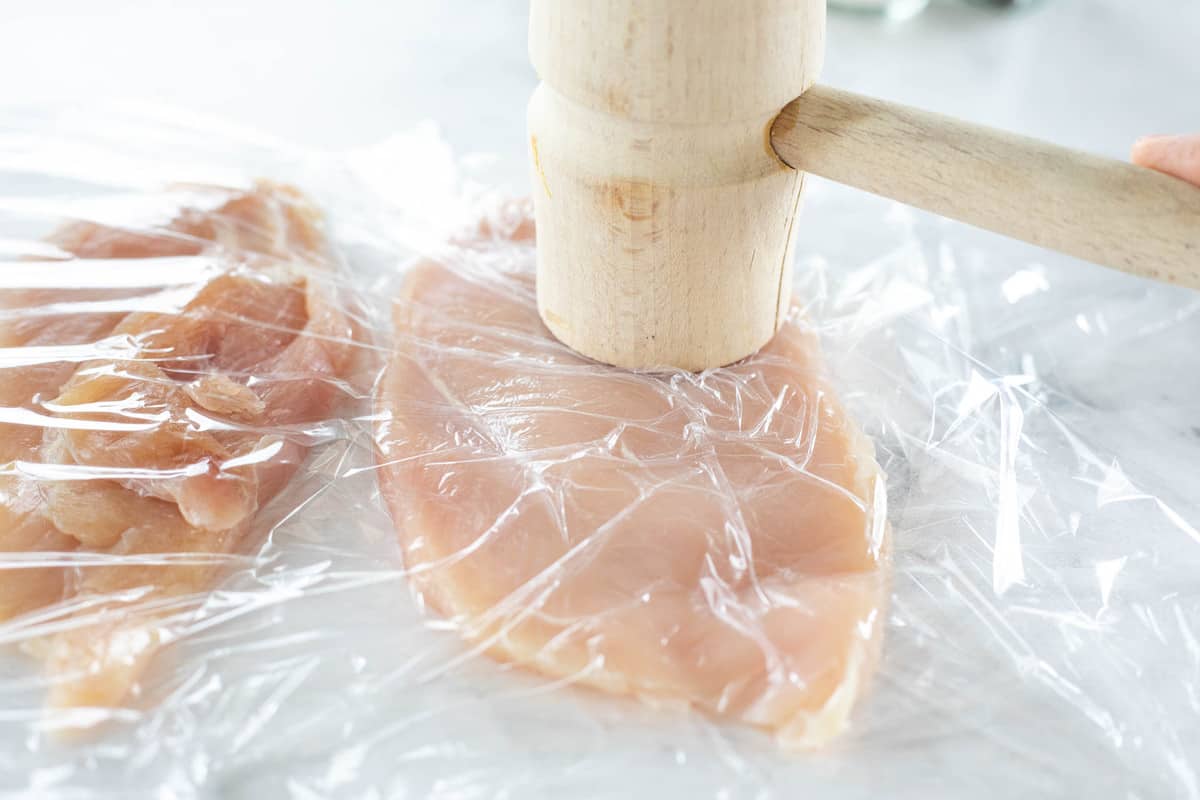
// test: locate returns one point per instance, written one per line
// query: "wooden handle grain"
(1105, 211)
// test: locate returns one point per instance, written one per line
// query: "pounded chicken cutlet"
(715, 539)
(160, 454)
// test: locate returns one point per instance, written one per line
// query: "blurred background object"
(893, 9)
(1004, 3)
(905, 9)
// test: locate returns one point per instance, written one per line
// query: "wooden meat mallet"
(669, 143)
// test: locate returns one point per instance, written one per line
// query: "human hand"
(1174, 155)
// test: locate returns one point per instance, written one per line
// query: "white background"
(1087, 73)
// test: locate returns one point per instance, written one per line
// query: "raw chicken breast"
(23, 528)
(38, 329)
(717, 540)
(183, 413)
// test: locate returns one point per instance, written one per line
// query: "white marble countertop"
(1060, 640)
(1086, 73)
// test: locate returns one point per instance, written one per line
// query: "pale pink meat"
(156, 460)
(35, 324)
(717, 540)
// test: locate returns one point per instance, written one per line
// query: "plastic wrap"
(1035, 419)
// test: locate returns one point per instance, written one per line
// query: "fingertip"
(1146, 147)
(1178, 156)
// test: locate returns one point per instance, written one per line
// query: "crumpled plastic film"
(206, 378)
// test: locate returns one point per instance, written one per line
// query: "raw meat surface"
(155, 421)
(717, 540)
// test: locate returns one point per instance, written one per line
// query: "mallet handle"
(1105, 211)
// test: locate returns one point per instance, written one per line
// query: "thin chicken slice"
(157, 460)
(42, 331)
(717, 540)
